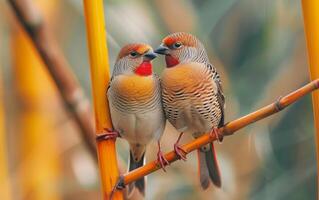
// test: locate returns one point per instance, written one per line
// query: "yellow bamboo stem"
(4, 175)
(311, 22)
(100, 75)
(38, 142)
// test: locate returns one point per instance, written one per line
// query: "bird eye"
(177, 45)
(133, 54)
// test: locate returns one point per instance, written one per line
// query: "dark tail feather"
(202, 170)
(139, 184)
(212, 165)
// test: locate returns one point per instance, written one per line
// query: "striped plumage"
(192, 96)
(134, 96)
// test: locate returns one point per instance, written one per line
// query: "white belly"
(139, 128)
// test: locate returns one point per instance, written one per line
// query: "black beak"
(162, 50)
(150, 55)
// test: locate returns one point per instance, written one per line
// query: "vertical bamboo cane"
(4, 176)
(311, 22)
(38, 179)
(100, 75)
(39, 148)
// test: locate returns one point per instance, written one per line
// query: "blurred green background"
(259, 49)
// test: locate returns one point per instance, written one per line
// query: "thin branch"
(75, 101)
(229, 129)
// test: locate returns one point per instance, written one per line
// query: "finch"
(136, 109)
(192, 98)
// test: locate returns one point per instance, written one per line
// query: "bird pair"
(188, 94)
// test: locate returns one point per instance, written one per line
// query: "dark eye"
(133, 54)
(177, 45)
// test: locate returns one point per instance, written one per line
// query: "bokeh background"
(257, 46)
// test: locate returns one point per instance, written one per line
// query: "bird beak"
(150, 55)
(162, 50)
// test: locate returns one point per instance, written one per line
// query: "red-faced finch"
(192, 97)
(134, 96)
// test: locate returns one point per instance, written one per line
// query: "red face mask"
(171, 61)
(145, 68)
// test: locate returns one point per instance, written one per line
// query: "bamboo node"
(278, 105)
(224, 131)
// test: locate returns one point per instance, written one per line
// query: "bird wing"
(220, 94)
(110, 82)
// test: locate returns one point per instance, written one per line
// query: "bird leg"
(161, 158)
(181, 153)
(215, 132)
(108, 134)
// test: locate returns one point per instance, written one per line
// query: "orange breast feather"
(184, 76)
(134, 87)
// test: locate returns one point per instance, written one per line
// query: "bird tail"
(139, 184)
(208, 167)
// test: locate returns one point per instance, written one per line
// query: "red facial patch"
(145, 68)
(171, 61)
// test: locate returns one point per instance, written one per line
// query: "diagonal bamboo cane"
(75, 101)
(227, 130)
(311, 19)
(100, 76)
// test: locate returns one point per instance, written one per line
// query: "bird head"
(181, 48)
(135, 59)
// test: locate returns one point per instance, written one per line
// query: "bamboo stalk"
(311, 22)
(38, 141)
(100, 76)
(5, 192)
(227, 130)
(75, 101)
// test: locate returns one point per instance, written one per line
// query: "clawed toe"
(162, 160)
(181, 153)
